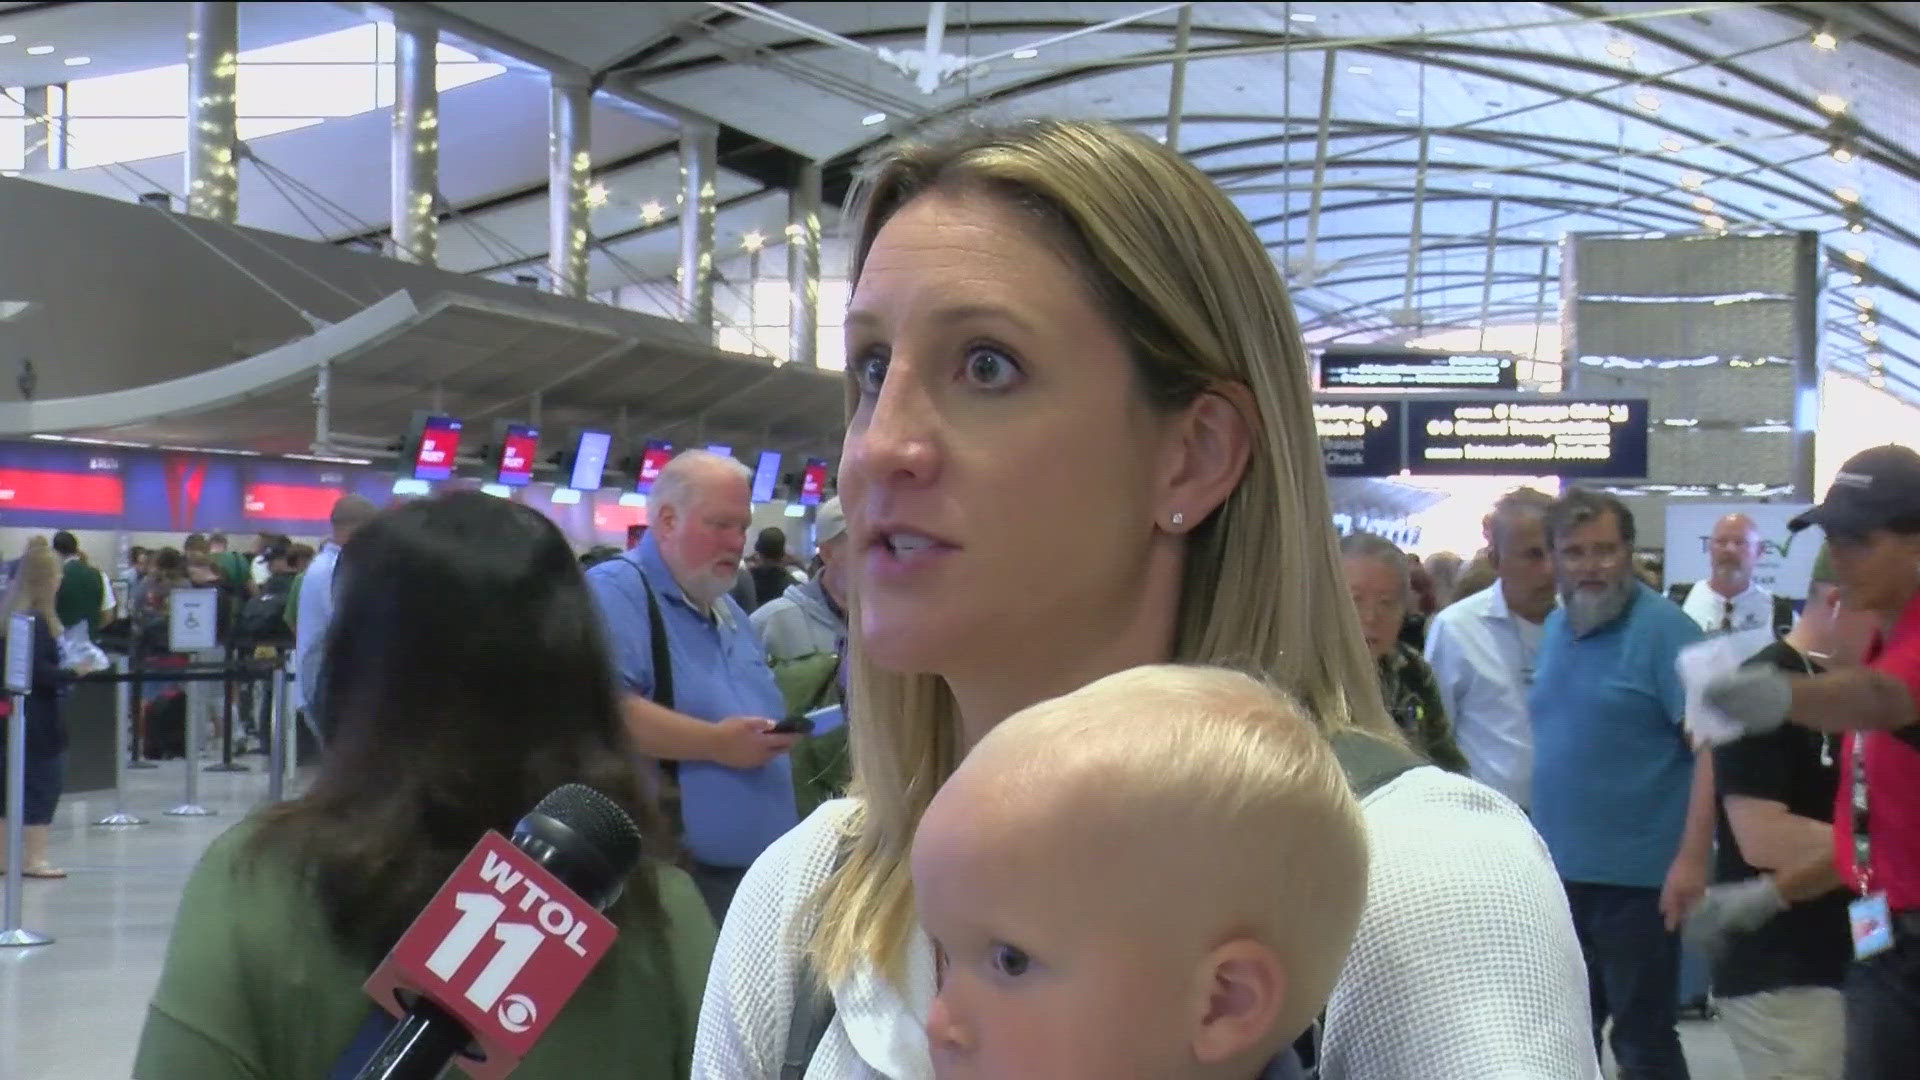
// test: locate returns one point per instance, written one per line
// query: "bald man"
(1728, 602)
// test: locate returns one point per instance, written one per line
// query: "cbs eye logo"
(517, 1013)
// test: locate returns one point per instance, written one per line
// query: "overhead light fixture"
(77, 61)
(1703, 204)
(1856, 228)
(1407, 114)
(1647, 100)
(1671, 145)
(1858, 280)
(1842, 155)
(1824, 39)
(1866, 317)
(1025, 54)
(596, 195)
(1304, 16)
(1856, 255)
(1831, 102)
(1846, 194)
(753, 241)
(1359, 69)
(1691, 180)
(1620, 48)
(7, 39)
(1869, 335)
(651, 213)
(39, 50)
(873, 118)
(1865, 302)
(1714, 222)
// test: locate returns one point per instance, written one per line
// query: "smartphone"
(792, 725)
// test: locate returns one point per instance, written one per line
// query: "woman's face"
(1000, 469)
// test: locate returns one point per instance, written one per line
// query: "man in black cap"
(1872, 520)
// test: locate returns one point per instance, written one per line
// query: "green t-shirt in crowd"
(81, 595)
(254, 987)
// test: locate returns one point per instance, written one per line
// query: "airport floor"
(72, 1010)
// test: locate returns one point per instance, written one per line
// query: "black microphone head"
(585, 839)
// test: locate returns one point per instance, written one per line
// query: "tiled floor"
(72, 1010)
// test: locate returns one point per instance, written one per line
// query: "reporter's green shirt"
(254, 987)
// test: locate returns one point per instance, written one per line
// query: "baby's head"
(1158, 875)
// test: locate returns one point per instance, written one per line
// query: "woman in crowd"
(34, 586)
(1377, 574)
(466, 679)
(1081, 440)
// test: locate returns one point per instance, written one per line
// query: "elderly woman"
(1081, 440)
(1377, 579)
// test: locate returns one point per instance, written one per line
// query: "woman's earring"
(1179, 518)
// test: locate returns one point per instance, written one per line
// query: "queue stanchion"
(279, 738)
(192, 618)
(19, 683)
(123, 720)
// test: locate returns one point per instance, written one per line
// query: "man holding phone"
(697, 689)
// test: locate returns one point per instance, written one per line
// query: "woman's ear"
(1206, 455)
(1242, 988)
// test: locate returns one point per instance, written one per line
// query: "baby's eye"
(1010, 960)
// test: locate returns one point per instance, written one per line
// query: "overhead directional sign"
(1562, 436)
(1358, 436)
(1408, 369)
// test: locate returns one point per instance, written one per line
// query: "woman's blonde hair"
(36, 584)
(1197, 298)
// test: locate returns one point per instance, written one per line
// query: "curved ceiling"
(1345, 131)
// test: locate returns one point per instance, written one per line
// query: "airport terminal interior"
(260, 262)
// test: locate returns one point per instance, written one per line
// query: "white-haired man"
(693, 674)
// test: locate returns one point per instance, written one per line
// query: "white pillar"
(699, 147)
(803, 267)
(212, 170)
(43, 136)
(415, 141)
(569, 169)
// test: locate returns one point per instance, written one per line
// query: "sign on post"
(19, 662)
(193, 619)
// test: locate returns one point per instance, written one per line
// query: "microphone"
(506, 941)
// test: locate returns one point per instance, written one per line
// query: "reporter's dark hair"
(465, 677)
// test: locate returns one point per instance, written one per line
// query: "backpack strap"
(813, 1007)
(657, 637)
(1369, 761)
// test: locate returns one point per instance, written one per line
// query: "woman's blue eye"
(869, 371)
(1010, 960)
(990, 368)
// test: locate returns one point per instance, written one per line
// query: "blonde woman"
(35, 585)
(1081, 440)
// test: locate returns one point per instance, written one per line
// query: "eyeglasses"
(1597, 557)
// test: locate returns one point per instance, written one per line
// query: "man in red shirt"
(1872, 520)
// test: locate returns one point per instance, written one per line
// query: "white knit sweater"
(1465, 967)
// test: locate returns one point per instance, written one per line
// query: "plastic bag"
(79, 654)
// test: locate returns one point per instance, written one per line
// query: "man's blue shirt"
(719, 670)
(1612, 764)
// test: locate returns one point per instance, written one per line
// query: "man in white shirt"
(1728, 602)
(316, 605)
(1481, 648)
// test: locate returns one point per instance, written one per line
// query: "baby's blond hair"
(1261, 818)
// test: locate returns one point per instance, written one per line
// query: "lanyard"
(1862, 843)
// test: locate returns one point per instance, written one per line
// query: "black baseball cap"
(1873, 490)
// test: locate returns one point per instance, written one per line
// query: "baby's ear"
(1242, 987)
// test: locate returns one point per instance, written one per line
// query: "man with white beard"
(1625, 807)
(693, 676)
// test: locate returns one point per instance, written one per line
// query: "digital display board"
(1411, 369)
(1562, 436)
(1359, 437)
(766, 475)
(519, 448)
(438, 445)
(652, 460)
(590, 460)
(813, 481)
